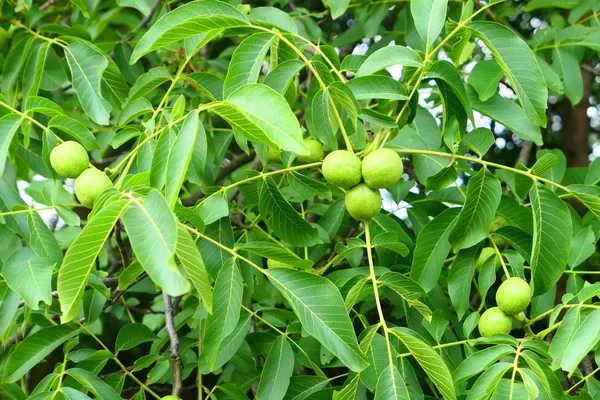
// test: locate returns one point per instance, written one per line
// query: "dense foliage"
(299, 200)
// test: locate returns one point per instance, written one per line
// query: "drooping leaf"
(29, 275)
(477, 214)
(246, 62)
(321, 310)
(431, 362)
(283, 219)
(9, 124)
(152, 231)
(278, 368)
(519, 65)
(391, 385)
(227, 301)
(81, 255)
(552, 232)
(192, 262)
(429, 17)
(87, 66)
(387, 57)
(432, 248)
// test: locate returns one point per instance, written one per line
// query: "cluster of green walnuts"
(512, 298)
(379, 169)
(70, 159)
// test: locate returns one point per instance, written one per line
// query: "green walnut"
(69, 159)
(342, 168)
(382, 168)
(315, 149)
(90, 184)
(513, 296)
(494, 321)
(363, 202)
(170, 397)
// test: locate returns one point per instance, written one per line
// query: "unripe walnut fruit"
(513, 295)
(315, 149)
(90, 184)
(362, 202)
(342, 168)
(69, 159)
(382, 168)
(170, 397)
(494, 321)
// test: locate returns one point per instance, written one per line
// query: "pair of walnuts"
(70, 159)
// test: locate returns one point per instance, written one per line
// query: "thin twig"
(174, 339)
(48, 4)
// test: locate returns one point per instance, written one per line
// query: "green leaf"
(275, 252)
(94, 384)
(479, 140)
(269, 121)
(29, 275)
(584, 339)
(246, 62)
(408, 289)
(552, 232)
(276, 373)
(589, 196)
(509, 114)
(461, 275)
(377, 87)
(192, 262)
(152, 231)
(431, 362)
(537, 4)
(442, 179)
(518, 239)
(143, 6)
(338, 7)
(42, 240)
(479, 361)
(273, 17)
(213, 209)
(188, 20)
(391, 385)
(160, 159)
(134, 109)
(8, 309)
(281, 76)
(9, 125)
(132, 335)
(429, 17)
(227, 302)
(445, 71)
(81, 256)
(180, 156)
(320, 308)
(387, 57)
(87, 66)
(320, 121)
(519, 65)
(34, 348)
(283, 219)
(477, 214)
(567, 67)
(432, 248)
(485, 77)
(488, 381)
(308, 187)
(76, 130)
(147, 82)
(583, 247)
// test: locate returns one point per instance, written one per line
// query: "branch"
(47, 4)
(175, 358)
